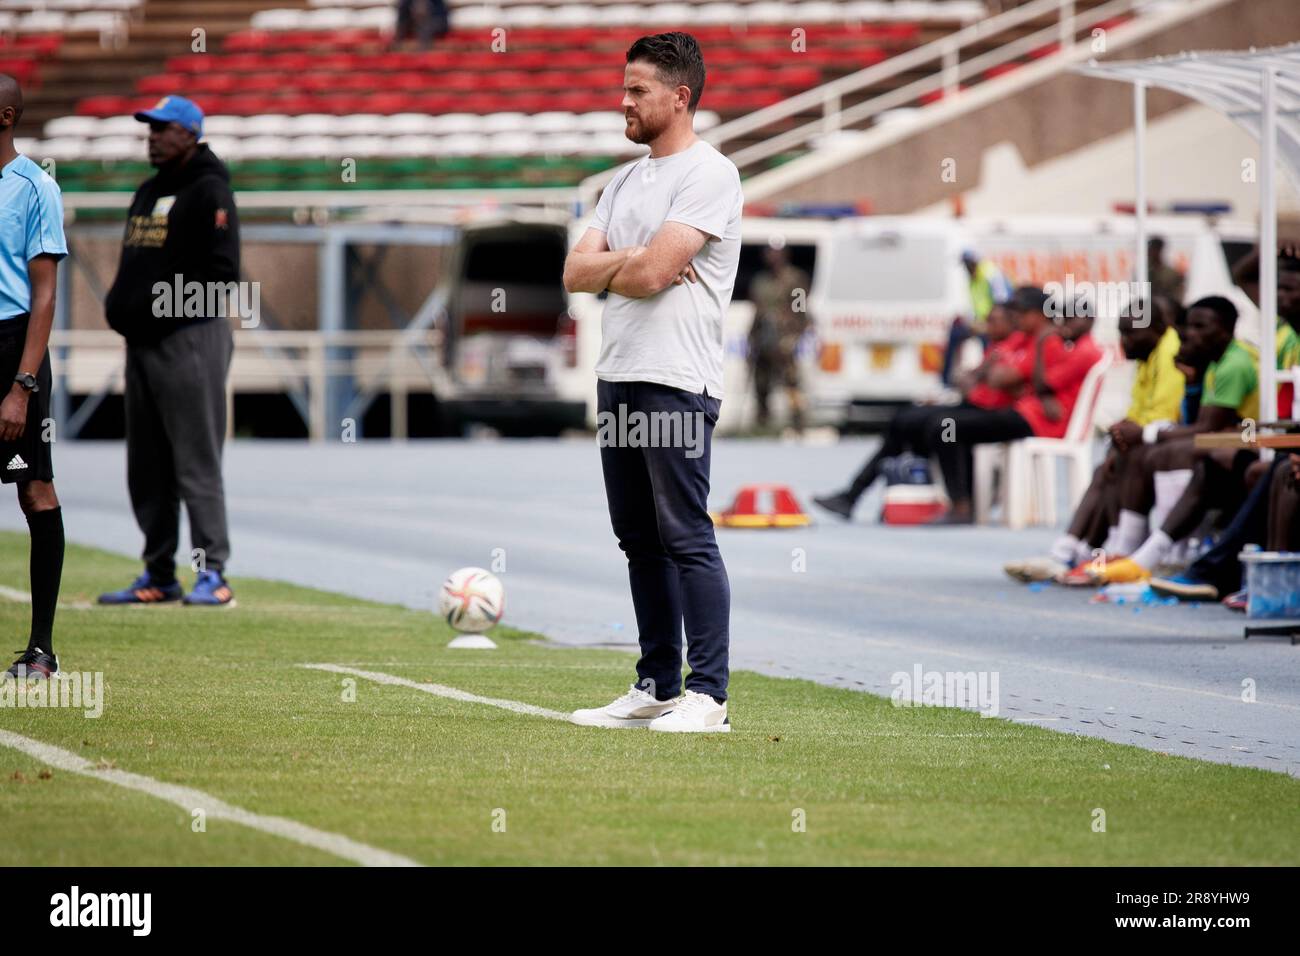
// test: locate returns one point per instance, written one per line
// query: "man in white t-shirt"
(664, 244)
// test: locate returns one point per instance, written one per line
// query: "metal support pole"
(60, 400)
(951, 71)
(1268, 253)
(831, 114)
(1066, 34)
(1140, 184)
(331, 284)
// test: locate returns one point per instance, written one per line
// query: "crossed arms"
(636, 271)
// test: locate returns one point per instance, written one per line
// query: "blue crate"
(1273, 584)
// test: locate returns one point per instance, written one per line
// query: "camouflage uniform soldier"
(779, 294)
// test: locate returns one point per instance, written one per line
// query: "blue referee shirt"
(31, 224)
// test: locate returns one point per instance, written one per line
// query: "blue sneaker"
(144, 590)
(1185, 588)
(211, 590)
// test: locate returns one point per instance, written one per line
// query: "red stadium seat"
(105, 106)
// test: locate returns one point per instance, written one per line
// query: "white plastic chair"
(1028, 466)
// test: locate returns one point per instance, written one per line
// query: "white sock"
(1132, 531)
(1065, 548)
(1170, 486)
(1153, 550)
(1111, 544)
(1084, 553)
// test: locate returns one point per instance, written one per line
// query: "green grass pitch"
(215, 700)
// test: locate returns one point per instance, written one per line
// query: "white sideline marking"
(441, 690)
(189, 800)
(23, 597)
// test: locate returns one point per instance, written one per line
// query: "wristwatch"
(28, 381)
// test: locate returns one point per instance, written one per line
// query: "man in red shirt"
(908, 428)
(1048, 373)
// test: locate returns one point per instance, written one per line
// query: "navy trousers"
(657, 486)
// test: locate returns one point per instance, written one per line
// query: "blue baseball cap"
(175, 109)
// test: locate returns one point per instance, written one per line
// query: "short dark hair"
(11, 94)
(1028, 298)
(1223, 310)
(677, 60)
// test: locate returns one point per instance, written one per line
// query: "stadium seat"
(1028, 486)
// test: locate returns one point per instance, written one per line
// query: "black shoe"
(34, 664)
(840, 504)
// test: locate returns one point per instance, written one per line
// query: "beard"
(643, 131)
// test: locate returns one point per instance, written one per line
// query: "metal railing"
(393, 361)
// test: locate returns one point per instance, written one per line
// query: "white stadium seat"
(312, 124)
(711, 14)
(63, 147)
(510, 144)
(503, 122)
(222, 125)
(767, 12)
(563, 144)
(469, 18)
(363, 146)
(277, 20)
(553, 121)
(315, 147)
(622, 14)
(267, 147)
(226, 147)
(408, 124)
(674, 13)
(375, 18)
(601, 121)
(527, 15)
(457, 123)
(463, 144)
(265, 124)
(706, 119)
(362, 124)
(42, 21)
(71, 126)
(115, 148)
(411, 145)
(124, 125)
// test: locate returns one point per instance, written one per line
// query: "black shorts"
(27, 458)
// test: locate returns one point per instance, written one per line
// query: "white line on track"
(441, 690)
(23, 597)
(190, 800)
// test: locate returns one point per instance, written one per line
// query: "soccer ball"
(472, 600)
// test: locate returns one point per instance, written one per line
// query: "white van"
(888, 288)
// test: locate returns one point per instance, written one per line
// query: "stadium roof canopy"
(1259, 90)
(1230, 83)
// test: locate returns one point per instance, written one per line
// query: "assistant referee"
(31, 245)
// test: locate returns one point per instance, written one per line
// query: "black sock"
(46, 571)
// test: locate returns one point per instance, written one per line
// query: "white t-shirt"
(674, 337)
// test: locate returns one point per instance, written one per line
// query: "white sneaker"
(636, 708)
(1035, 569)
(695, 713)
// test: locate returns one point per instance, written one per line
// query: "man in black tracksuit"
(182, 238)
